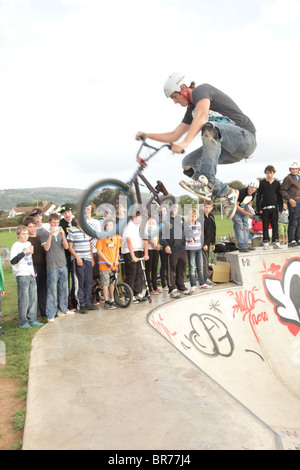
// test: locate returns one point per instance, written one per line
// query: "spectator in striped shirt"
(194, 251)
(82, 259)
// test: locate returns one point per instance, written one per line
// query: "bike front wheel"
(103, 200)
(123, 295)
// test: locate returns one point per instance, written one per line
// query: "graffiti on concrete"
(162, 328)
(214, 305)
(282, 288)
(256, 353)
(245, 303)
(291, 434)
(209, 335)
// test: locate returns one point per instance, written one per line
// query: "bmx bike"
(111, 195)
(123, 294)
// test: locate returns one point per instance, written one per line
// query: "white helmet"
(254, 183)
(294, 164)
(174, 83)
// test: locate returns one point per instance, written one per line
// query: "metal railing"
(10, 229)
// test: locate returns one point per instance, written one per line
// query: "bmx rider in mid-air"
(228, 136)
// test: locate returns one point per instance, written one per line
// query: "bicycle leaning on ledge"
(109, 195)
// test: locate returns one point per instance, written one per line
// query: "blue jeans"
(195, 262)
(234, 145)
(27, 299)
(241, 230)
(294, 223)
(83, 276)
(57, 291)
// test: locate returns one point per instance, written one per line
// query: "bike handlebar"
(143, 138)
(110, 267)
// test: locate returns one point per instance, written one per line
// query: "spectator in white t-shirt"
(133, 248)
(23, 271)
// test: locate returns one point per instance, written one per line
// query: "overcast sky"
(79, 78)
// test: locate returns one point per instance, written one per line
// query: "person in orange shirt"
(108, 252)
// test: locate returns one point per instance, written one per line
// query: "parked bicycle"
(110, 194)
(123, 294)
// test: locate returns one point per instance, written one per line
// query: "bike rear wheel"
(123, 294)
(106, 196)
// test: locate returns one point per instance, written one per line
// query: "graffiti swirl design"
(283, 290)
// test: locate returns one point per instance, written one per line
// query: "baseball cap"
(65, 207)
(36, 211)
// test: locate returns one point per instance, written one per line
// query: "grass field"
(224, 227)
(7, 239)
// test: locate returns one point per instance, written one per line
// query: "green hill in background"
(11, 197)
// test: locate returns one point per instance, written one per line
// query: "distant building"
(46, 209)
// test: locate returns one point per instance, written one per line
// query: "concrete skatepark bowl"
(215, 370)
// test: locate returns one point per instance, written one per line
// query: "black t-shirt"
(245, 198)
(66, 226)
(39, 255)
(219, 103)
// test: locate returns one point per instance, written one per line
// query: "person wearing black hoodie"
(269, 202)
(209, 239)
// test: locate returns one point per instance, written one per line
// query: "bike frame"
(138, 174)
(130, 190)
(114, 279)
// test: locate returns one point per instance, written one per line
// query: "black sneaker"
(82, 309)
(109, 306)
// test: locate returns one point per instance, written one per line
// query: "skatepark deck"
(223, 372)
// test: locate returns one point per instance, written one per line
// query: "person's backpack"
(224, 247)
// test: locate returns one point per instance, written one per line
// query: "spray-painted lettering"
(245, 304)
(163, 329)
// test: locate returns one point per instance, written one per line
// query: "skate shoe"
(200, 187)
(276, 246)
(229, 203)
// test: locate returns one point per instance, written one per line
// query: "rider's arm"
(168, 136)
(200, 118)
